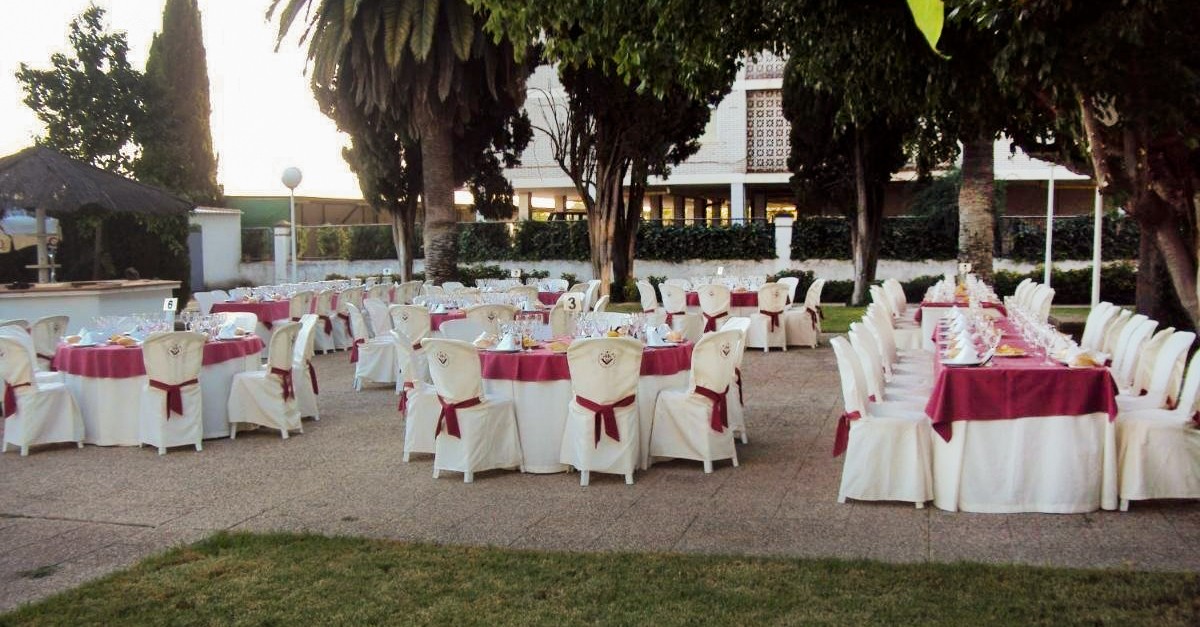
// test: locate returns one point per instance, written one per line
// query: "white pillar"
(1049, 227)
(524, 200)
(43, 256)
(283, 244)
(783, 238)
(1097, 239)
(737, 202)
(292, 206)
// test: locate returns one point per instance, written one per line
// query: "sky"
(264, 117)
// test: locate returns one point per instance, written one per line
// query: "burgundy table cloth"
(266, 312)
(120, 362)
(987, 305)
(736, 299)
(546, 365)
(1017, 387)
(549, 298)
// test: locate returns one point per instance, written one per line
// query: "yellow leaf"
(930, 16)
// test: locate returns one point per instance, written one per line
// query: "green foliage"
(666, 242)
(332, 243)
(484, 241)
(1026, 240)
(371, 242)
(1118, 283)
(470, 274)
(537, 240)
(570, 278)
(91, 100)
(257, 244)
(177, 147)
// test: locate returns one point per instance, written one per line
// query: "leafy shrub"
(484, 241)
(570, 278)
(668, 242)
(371, 242)
(536, 240)
(1118, 283)
(257, 244)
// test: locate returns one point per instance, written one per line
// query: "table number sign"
(964, 268)
(515, 273)
(720, 270)
(170, 306)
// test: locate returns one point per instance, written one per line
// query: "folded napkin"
(485, 340)
(508, 343)
(439, 308)
(966, 355)
(228, 331)
(1077, 357)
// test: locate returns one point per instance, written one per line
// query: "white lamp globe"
(291, 178)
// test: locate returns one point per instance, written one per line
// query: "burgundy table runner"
(119, 362)
(736, 299)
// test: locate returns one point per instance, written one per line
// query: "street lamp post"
(291, 179)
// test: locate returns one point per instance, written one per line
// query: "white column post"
(524, 200)
(283, 244)
(737, 202)
(43, 256)
(1049, 227)
(292, 206)
(783, 239)
(1097, 240)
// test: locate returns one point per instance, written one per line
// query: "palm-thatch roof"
(39, 177)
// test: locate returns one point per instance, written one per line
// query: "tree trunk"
(628, 222)
(1180, 266)
(602, 222)
(976, 214)
(441, 218)
(864, 230)
(402, 237)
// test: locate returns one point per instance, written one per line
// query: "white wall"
(221, 237)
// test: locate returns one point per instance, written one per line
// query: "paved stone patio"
(67, 515)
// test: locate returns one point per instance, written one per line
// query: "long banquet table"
(539, 382)
(1017, 435)
(107, 383)
(928, 313)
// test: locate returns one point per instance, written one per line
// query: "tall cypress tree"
(177, 147)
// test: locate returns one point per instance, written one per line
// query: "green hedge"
(930, 237)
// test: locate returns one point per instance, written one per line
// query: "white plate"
(502, 350)
(963, 365)
(82, 344)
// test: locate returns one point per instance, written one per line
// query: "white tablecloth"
(1050, 464)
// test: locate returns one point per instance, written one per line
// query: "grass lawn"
(308, 579)
(838, 319)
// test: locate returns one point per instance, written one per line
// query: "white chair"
(1147, 358)
(463, 330)
(20, 323)
(766, 327)
(735, 398)
(343, 335)
(432, 290)
(907, 389)
(1093, 330)
(381, 292)
(474, 432)
(221, 296)
(491, 316)
(47, 332)
(452, 286)
(1128, 348)
(593, 292)
(527, 293)
(419, 407)
(1159, 389)
(34, 413)
(601, 304)
(1041, 302)
(693, 423)
(243, 320)
(887, 445)
(553, 285)
(41, 375)
(324, 332)
(802, 322)
(299, 303)
(914, 362)
(374, 359)
(714, 304)
(171, 405)
(1158, 450)
(304, 375)
(647, 297)
(377, 317)
(205, 301)
(675, 304)
(267, 397)
(1112, 331)
(410, 325)
(602, 428)
(682, 284)
(895, 291)
(792, 283)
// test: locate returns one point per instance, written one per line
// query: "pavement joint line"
(78, 520)
(683, 534)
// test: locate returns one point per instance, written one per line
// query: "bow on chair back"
(457, 376)
(604, 376)
(173, 361)
(16, 369)
(280, 355)
(714, 305)
(713, 362)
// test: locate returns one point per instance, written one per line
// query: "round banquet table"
(539, 383)
(740, 303)
(107, 383)
(549, 299)
(436, 319)
(267, 312)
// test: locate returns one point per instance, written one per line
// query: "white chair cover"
(410, 325)
(602, 428)
(267, 397)
(324, 332)
(802, 323)
(1158, 450)
(491, 316)
(47, 332)
(205, 301)
(304, 375)
(377, 317)
(691, 325)
(553, 285)
(693, 423)
(1093, 330)
(888, 446)
(737, 391)
(792, 283)
(1159, 387)
(682, 284)
(376, 357)
(766, 326)
(172, 403)
(1113, 331)
(646, 296)
(714, 305)
(452, 286)
(37, 413)
(601, 304)
(476, 432)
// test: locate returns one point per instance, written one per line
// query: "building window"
(767, 142)
(766, 66)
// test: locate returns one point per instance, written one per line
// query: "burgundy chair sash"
(719, 418)
(408, 385)
(328, 324)
(605, 416)
(354, 350)
(49, 358)
(671, 316)
(312, 376)
(774, 316)
(841, 437)
(710, 322)
(449, 415)
(346, 319)
(10, 397)
(813, 316)
(174, 394)
(267, 323)
(285, 376)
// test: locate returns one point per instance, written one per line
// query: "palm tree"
(976, 212)
(426, 62)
